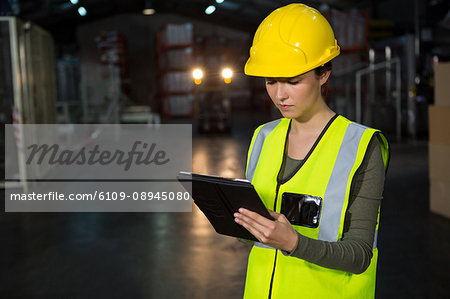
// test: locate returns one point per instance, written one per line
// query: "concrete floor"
(178, 255)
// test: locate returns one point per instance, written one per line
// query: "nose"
(281, 93)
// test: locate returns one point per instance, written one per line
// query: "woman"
(323, 171)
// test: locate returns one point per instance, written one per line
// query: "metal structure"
(370, 70)
(68, 70)
(104, 106)
(27, 82)
(401, 47)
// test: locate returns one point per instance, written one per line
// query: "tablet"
(219, 198)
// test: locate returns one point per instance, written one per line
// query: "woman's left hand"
(277, 233)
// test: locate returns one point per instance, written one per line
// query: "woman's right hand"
(277, 233)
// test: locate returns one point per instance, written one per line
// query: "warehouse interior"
(164, 62)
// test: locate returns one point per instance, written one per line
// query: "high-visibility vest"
(328, 171)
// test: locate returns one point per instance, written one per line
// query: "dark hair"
(321, 70)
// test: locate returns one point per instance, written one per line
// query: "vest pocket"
(301, 209)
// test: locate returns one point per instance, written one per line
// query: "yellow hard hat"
(292, 40)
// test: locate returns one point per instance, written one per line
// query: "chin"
(289, 115)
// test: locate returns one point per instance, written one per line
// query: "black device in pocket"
(301, 209)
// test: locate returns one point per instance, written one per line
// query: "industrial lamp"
(148, 8)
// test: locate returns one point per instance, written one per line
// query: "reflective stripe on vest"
(257, 146)
(261, 245)
(337, 185)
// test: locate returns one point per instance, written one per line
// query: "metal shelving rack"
(175, 46)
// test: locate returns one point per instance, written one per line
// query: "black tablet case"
(219, 198)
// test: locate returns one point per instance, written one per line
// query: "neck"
(314, 121)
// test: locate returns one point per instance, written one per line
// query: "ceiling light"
(219, 1)
(210, 9)
(148, 8)
(74, 2)
(148, 11)
(82, 11)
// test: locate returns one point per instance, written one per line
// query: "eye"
(271, 82)
(294, 82)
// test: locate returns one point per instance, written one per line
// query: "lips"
(285, 107)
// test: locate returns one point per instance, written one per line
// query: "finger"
(278, 216)
(255, 232)
(252, 222)
(256, 217)
(275, 215)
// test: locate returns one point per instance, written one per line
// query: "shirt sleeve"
(353, 252)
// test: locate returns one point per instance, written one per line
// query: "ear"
(324, 77)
